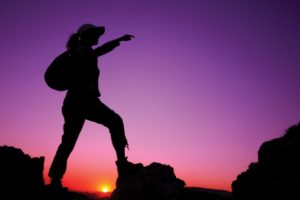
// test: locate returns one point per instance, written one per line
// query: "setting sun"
(104, 188)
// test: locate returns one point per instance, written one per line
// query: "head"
(87, 34)
(90, 33)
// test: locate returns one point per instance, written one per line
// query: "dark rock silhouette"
(276, 175)
(194, 193)
(155, 181)
(21, 177)
(19, 172)
(191, 193)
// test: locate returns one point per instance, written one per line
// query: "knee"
(114, 119)
(118, 120)
(116, 123)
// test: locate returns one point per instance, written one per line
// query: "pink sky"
(202, 85)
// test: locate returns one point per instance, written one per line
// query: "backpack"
(57, 74)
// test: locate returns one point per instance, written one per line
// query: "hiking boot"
(56, 186)
(126, 168)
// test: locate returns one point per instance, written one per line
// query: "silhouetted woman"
(82, 102)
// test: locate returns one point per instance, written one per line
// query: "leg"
(72, 127)
(100, 113)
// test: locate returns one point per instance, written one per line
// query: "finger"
(131, 36)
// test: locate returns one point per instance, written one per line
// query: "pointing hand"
(126, 37)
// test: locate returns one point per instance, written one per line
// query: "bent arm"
(109, 46)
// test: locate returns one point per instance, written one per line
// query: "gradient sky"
(202, 85)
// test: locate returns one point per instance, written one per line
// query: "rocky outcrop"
(192, 193)
(276, 174)
(20, 174)
(155, 181)
(21, 177)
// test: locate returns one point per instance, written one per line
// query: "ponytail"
(73, 41)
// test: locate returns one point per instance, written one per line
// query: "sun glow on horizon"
(105, 188)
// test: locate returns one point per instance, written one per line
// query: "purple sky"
(202, 85)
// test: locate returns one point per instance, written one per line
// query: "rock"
(194, 193)
(155, 181)
(276, 174)
(21, 177)
(20, 174)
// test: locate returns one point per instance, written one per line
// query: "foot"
(56, 185)
(126, 168)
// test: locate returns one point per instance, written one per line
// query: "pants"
(75, 111)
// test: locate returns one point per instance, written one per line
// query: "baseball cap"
(90, 27)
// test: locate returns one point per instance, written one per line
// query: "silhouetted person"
(82, 102)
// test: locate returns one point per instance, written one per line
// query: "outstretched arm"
(109, 46)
